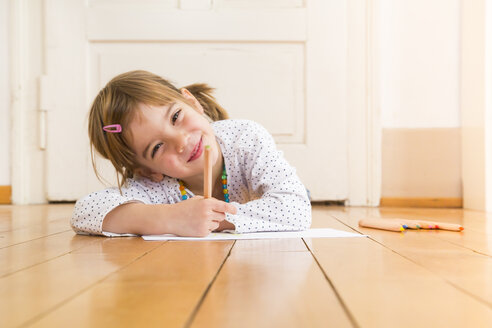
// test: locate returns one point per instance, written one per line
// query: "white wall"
(420, 72)
(420, 63)
(4, 96)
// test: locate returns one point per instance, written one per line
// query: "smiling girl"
(154, 135)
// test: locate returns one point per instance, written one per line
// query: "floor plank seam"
(193, 314)
(27, 241)
(80, 292)
(467, 248)
(42, 224)
(485, 302)
(337, 294)
(45, 261)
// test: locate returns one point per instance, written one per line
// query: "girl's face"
(171, 139)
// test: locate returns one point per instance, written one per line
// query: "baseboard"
(5, 195)
(422, 202)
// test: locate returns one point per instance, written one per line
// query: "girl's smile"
(197, 151)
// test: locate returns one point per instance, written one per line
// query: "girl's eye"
(156, 148)
(175, 116)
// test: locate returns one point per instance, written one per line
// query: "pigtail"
(203, 93)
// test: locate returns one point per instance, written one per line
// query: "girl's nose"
(181, 142)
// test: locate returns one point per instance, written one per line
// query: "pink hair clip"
(113, 128)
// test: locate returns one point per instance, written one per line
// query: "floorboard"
(161, 289)
(462, 267)
(382, 287)
(50, 277)
(274, 283)
(31, 293)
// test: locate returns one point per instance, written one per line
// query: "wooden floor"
(50, 277)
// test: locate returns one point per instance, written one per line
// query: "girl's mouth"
(197, 151)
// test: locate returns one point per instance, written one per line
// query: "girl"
(154, 135)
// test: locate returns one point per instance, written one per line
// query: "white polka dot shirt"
(262, 185)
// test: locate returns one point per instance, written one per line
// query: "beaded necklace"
(185, 196)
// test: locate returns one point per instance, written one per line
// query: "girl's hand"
(225, 225)
(198, 217)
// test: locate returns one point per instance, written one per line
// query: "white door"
(278, 62)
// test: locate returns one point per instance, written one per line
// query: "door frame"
(26, 64)
(363, 103)
(363, 110)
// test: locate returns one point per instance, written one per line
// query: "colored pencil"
(444, 225)
(422, 224)
(407, 224)
(416, 224)
(207, 174)
(381, 224)
(398, 224)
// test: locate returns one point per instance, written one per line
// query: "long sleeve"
(90, 211)
(279, 201)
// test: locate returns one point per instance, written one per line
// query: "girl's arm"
(141, 210)
(195, 217)
(276, 210)
(280, 200)
(138, 218)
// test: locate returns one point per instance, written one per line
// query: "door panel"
(280, 63)
(244, 75)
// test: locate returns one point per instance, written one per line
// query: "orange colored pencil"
(207, 174)
(381, 224)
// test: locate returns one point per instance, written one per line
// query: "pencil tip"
(461, 228)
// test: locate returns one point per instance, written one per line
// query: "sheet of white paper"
(310, 233)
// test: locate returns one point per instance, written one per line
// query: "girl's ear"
(156, 177)
(189, 96)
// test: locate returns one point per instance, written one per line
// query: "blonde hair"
(116, 104)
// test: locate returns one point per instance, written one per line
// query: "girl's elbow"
(77, 228)
(306, 223)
